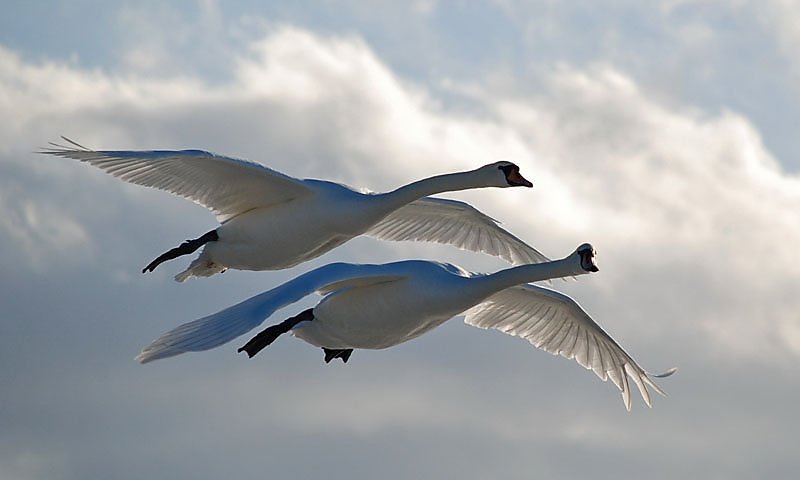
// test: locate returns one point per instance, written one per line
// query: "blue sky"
(659, 131)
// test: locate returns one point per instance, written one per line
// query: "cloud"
(611, 156)
(716, 55)
(692, 195)
(40, 230)
(694, 219)
(673, 191)
(775, 20)
(769, 21)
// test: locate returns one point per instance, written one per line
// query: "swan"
(378, 306)
(271, 221)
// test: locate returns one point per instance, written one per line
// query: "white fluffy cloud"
(664, 189)
(679, 193)
(695, 222)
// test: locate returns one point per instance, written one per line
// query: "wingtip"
(626, 396)
(74, 143)
(665, 374)
(627, 401)
(150, 354)
(142, 358)
(54, 148)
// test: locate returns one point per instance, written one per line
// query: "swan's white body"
(378, 306)
(290, 233)
(272, 221)
(386, 310)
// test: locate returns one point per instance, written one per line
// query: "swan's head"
(586, 255)
(504, 174)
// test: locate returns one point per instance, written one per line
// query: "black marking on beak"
(513, 176)
(587, 260)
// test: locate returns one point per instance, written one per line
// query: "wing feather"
(556, 324)
(454, 223)
(227, 186)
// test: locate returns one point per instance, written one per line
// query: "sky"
(661, 132)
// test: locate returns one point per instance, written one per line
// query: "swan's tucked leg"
(268, 335)
(331, 353)
(185, 248)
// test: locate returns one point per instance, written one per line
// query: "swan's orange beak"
(514, 178)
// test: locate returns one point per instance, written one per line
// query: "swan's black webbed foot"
(185, 248)
(264, 338)
(331, 353)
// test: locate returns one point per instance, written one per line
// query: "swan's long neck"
(495, 282)
(449, 182)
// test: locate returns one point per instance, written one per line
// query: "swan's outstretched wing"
(455, 223)
(555, 323)
(222, 327)
(226, 186)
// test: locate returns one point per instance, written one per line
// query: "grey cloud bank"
(695, 221)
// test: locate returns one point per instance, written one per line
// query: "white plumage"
(272, 221)
(456, 223)
(378, 306)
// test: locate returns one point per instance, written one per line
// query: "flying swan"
(379, 306)
(271, 221)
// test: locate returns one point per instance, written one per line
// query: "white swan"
(272, 221)
(378, 306)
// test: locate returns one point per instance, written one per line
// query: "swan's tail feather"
(200, 267)
(184, 275)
